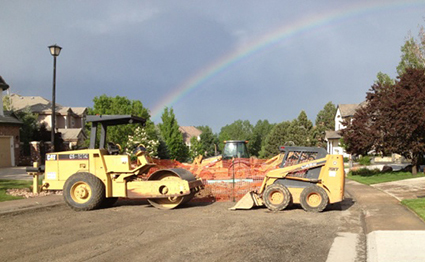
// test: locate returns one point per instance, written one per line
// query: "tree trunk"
(414, 170)
(415, 160)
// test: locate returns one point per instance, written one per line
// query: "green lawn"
(9, 184)
(370, 177)
(417, 205)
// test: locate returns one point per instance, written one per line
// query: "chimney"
(3, 87)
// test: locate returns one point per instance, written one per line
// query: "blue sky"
(146, 50)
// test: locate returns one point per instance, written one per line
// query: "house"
(70, 121)
(343, 112)
(189, 132)
(9, 133)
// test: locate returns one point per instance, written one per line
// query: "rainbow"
(272, 39)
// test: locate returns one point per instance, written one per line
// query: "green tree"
(259, 134)
(325, 120)
(196, 148)
(384, 79)
(413, 53)
(140, 137)
(30, 127)
(172, 136)
(209, 141)
(238, 130)
(275, 139)
(104, 105)
(299, 132)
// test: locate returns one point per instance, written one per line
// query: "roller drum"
(171, 174)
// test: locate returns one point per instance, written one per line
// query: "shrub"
(364, 160)
(364, 172)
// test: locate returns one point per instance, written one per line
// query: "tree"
(325, 120)
(172, 136)
(238, 130)
(275, 139)
(258, 138)
(413, 53)
(195, 147)
(392, 119)
(140, 137)
(299, 131)
(384, 79)
(209, 141)
(104, 105)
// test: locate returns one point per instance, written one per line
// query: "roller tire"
(277, 197)
(84, 191)
(314, 199)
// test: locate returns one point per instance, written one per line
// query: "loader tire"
(84, 191)
(277, 197)
(314, 199)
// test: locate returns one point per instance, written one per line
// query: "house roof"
(80, 111)
(3, 84)
(347, 110)
(71, 134)
(9, 118)
(332, 135)
(189, 132)
(38, 104)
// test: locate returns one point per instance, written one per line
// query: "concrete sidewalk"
(14, 173)
(393, 232)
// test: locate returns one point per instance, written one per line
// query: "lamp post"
(54, 51)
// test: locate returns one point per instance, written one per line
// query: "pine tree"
(275, 140)
(173, 138)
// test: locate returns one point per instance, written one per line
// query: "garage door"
(5, 157)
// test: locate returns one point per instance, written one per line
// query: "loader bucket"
(248, 201)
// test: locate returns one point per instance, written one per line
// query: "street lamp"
(54, 51)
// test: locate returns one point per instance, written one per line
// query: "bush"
(346, 160)
(364, 160)
(364, 172)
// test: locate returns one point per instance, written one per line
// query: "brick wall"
(12, 130)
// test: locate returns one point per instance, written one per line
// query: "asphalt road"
(135, 231)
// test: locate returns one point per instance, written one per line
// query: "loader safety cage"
(297, 154)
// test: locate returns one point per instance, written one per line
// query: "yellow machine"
(307, 176)
(94, 178)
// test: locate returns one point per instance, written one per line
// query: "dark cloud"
(146, 49)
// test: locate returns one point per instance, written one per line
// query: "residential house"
(343, 112)
(9, 133)
(70, 121)
(189, 132)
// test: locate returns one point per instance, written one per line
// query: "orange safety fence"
(224, 180)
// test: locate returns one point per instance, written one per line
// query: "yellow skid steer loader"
(306, 176)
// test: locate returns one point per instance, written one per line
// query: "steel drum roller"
(174, 174)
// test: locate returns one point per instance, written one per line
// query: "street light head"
(55, 50)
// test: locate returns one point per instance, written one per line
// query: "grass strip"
(376, 177)
(9, 184)
(417, 205)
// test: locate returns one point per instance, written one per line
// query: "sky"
(213, 62)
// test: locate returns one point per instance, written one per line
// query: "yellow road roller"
(307, 176)
(97, 177)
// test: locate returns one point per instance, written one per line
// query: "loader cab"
(235, 149)
(294, 155)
